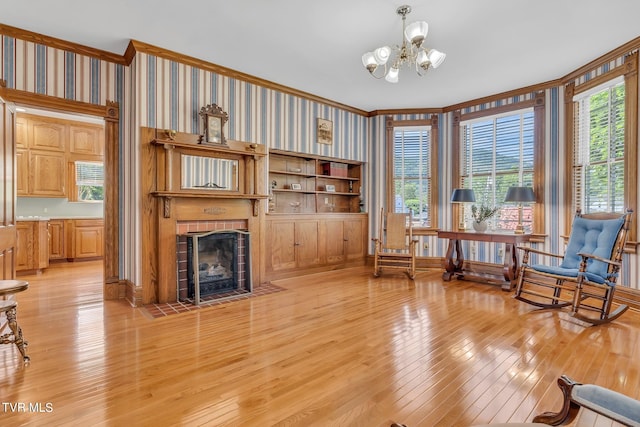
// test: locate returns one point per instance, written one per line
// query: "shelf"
(287, 190)
(305, 175)
(309, 172)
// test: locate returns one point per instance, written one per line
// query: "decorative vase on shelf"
(480, 227)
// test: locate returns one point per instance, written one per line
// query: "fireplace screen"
(217, 264)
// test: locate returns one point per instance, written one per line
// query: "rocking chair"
(586, 277)
(395, 246)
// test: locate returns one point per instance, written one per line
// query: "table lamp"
(520, 195)
(463, 195)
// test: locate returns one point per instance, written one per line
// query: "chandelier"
(410, 53)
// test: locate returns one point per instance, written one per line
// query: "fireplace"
(217, 265)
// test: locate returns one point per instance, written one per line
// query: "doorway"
(113, 287)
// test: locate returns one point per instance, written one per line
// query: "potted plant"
(480, 216)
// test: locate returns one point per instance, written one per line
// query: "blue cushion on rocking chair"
(592, 236)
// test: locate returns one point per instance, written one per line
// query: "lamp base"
(519, 229)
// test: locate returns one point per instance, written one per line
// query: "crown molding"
(626, 48)
(528, 89)
(136, 46)
(61, 44)
(141, 47)
(405, 111)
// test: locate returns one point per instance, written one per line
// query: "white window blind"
(498, 152)
(598, 149)
(412, 172)
(89, 180)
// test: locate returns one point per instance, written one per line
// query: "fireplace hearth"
(217, 265)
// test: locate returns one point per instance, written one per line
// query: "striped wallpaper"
(156, 92)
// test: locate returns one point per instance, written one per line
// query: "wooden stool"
(9, 308)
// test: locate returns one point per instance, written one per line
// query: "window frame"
(538, 104)
(630, 72)
(390, 125)
(73, 183)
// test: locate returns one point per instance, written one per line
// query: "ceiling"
(492, 46)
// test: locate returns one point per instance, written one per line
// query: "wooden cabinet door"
(24, 245)
(57, 240)
(88, 241)
(335, 241)
(47, 134)
(22, 133)
(47, 174)
(355, 242)
(281, 250)
(41, 240)
(306, 243)
(22, 172)
(86, 139)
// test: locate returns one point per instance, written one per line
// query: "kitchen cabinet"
(32, 245)
(87, 239)
(47, 174)
(86, 139)
(57, 240)
(45, 146)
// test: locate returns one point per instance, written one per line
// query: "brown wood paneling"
(7, 188)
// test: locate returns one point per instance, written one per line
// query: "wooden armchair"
(586, 276)
(395, 245)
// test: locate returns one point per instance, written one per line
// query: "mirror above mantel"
(186, 169)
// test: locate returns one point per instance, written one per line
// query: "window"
(497, 152)
(602, 141)
(599, 148)
(89, 181)
(412, 180)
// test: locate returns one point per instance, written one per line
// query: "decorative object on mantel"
(411, 53)
(214, 119)
(520, 195)
(481, 215)
(171, 134)
(324, 131)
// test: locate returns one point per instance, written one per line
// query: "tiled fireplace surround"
(184, 227)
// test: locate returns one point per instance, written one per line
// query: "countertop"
(47, 218)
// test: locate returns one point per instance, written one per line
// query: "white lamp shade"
(381, 55)
(392, 75)
(368, 59)
(436, 58)
(422, 59)
(416, 32)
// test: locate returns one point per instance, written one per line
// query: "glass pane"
(411, 170)
(596, 188)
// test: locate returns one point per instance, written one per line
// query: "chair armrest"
(608, 403)
(538, 251)
(598, 258)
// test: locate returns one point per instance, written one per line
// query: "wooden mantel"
(166, 203)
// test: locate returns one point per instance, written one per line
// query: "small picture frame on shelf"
(296, 187)
(330, 188)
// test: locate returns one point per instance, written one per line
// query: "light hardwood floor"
(334, 349)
